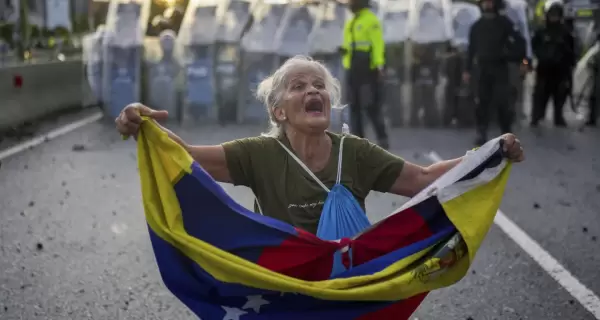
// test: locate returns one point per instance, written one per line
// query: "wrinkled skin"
(305, 106)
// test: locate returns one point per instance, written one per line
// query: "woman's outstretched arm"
(414, 178)
(211, 158)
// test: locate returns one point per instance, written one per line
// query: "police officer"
(425, 75)
(364, 59)
(516, 11)
(493, 44)
(454, 90)
(553, 46)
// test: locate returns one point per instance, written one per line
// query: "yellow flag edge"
(393, 283)
(486, 202)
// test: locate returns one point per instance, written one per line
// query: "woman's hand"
(512, 148)
(128, 122)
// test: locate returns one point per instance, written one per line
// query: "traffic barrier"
(29, 92)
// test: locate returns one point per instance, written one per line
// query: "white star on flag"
(233, 313)
(255, 302)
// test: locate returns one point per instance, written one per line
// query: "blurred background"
(73, 240)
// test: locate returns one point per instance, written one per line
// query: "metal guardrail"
(34, 90)
(10, 59)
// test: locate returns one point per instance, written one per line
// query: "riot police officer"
(493, 44)
(364, 59)
(554, 47)
(425, 74)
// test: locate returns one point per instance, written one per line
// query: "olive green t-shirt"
(285, 191)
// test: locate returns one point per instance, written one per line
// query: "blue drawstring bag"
(342, 216)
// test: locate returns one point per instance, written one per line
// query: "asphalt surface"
(74, 244)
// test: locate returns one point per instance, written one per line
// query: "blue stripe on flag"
(433, 213)
(211, 215)
(210, 298)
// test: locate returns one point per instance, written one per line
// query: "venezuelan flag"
(226, 262)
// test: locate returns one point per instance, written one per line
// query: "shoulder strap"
(303, 166)
(339, 169)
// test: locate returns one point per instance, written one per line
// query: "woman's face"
(306, 105)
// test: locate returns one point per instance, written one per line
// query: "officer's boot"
(591, 122)
(559, 119)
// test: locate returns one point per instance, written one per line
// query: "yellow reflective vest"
(363, 33)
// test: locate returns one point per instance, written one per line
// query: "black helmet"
(497, 4)
(554, 7)
(358, 4)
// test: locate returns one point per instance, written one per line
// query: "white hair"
(270, 91)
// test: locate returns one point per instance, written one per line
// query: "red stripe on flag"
(401, 310)
(303, 257)
(397, 231)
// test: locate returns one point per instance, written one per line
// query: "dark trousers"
(593, 101)
(356, 83)
(424, 95)
(549, 86)
(593, 116)
(493, 97)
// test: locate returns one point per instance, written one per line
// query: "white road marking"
(50, 135)
(588, 299)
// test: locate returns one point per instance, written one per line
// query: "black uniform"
(458, 102)
(554, 47)
(493, 43)
(425, 74)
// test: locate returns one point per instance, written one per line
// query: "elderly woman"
(291, 168)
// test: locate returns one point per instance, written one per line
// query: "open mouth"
(314, 106)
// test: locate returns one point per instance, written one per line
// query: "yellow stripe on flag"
(162, 162)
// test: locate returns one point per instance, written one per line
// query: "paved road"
(74, 244)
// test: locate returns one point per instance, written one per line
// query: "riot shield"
(430, 31)
(375, 5)
(394, 15)
(464, 15)
(258, 57)
(233, 21)
(163, 72)
(430, 21)
(459, 105)
(328, 34)
(196, 51)
(4, 50)
(123, 48)
(324, 41)
(516, 11)
(92, 64)
(292, 36)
